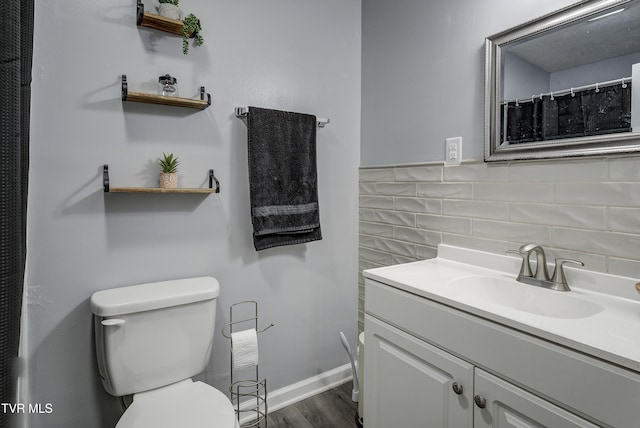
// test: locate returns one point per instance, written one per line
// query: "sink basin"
(522, 297)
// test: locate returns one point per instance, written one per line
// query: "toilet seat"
(184, 404)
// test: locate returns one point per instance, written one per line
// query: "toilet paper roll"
(244, 345)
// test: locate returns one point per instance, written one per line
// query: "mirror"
(562, 85)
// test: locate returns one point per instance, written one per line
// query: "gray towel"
(282, 178)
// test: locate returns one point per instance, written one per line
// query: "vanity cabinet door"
(411, 383)
(502, 404)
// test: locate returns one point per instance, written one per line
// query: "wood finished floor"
(330, 409)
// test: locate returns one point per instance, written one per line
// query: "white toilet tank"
(152, 335)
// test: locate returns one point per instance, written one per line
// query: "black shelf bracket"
(105, 178)
(125, 89)
(203, 93)
(140, 12)
(213, 178)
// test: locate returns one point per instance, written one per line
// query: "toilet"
(150, 340)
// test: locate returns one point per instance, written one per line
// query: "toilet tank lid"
(154, 295)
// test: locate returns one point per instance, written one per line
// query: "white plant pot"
(168, 180)
(169, 11)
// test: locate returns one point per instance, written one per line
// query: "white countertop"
(612, 333)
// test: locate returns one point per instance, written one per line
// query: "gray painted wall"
(423, 73)
(293, 55)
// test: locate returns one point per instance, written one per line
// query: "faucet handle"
(525, 268)
(559, 280)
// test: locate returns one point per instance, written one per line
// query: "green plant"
(173, 2)
(168, 163)
(191, 28)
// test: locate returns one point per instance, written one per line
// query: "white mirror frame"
(600, 145)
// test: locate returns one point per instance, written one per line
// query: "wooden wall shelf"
(109, 189)
(159, 190)
(152, 20)
(142, 97)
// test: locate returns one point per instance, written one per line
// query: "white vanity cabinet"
(411, 383)
(416, 349)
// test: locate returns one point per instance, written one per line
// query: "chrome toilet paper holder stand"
(249, 389)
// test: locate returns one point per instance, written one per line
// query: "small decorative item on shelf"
(169, 176)
(191, 28)
(169, 9)
(167, 86)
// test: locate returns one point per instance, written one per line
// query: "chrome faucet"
(558, 280)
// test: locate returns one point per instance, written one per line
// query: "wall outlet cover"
(453, 151)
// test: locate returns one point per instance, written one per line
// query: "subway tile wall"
(585, 209)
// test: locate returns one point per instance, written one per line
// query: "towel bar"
(243, 111)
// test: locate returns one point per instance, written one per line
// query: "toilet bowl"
(151, 339)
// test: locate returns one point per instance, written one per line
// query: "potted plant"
(191, 28)
(168, 176)
(169, 9)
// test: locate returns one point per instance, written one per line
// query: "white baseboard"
(298, 391)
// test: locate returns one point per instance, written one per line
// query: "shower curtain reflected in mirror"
(579, 114)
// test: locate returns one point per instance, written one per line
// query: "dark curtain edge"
(16, 57)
